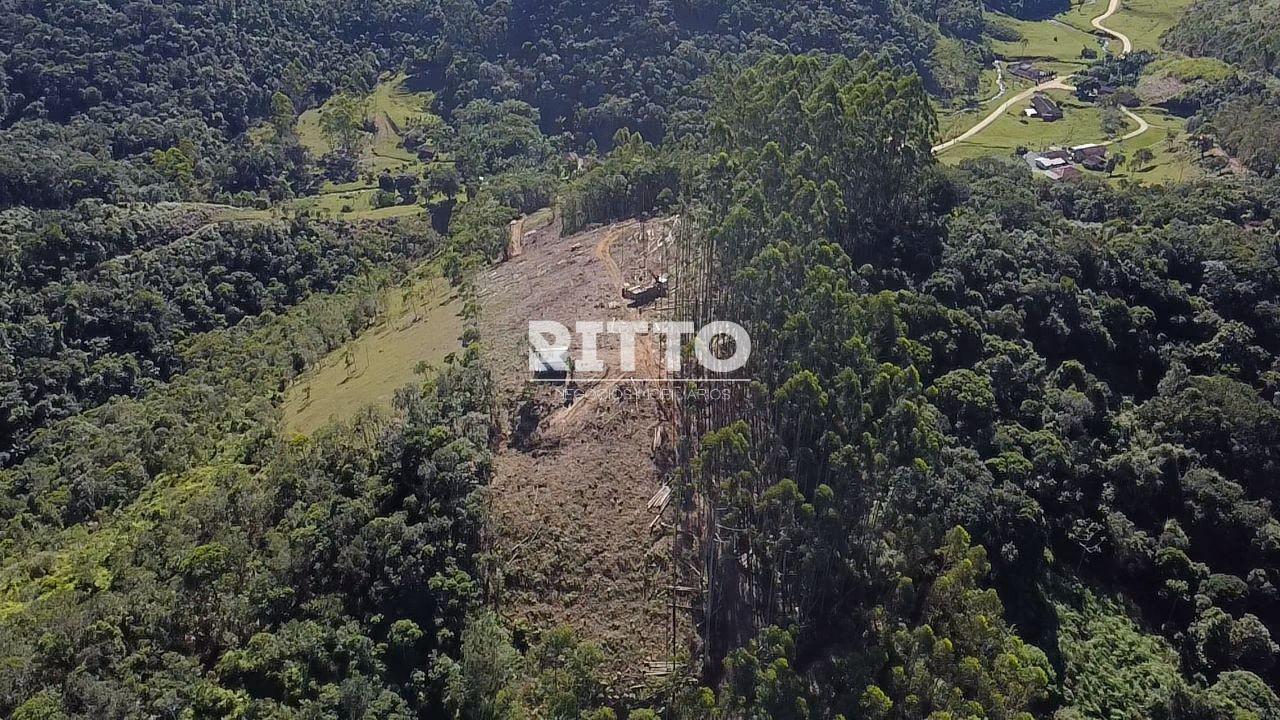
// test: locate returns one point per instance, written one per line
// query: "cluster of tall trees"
(634, 179)
(97, 302)
(177, 553)
(1083, 377)
(1233, 31)
(88, 92)
(250, 576)
(1030, 8)
(1121, 73)
(1242, 117)
(153, 100)
(593, 68)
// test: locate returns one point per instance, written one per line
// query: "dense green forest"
(144, 100)
(106, 318)
(1008, 449)
(1078, 376)
(91, 91)
(1238, 111)
(1234, 31)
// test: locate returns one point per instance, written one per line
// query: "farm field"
(354, 203)
(1188, 69)
(421, 323)
(1081, 124)
(391, 107)
(1081, 14)
(954, 120)
(1167, 140)
(1058, 44)
(1146, 21)
(953, 123)
(988, 85)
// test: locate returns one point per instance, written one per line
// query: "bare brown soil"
(1155, 90)
(571, 535)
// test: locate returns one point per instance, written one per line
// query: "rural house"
(1030, 72)
(1066, 172)
(1081, 153)
(1045, 108)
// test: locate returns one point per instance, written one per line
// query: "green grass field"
(1189, 69)
(955, 120)
(1167, 140)
(1081, 123)
(1059, 44)
(397, 101)
(354, 204)
(1145, 21)
(309, 133)
(392, 107)
(1081, 14)
(987, 84)
(987, 87)
(951, 124)
(421, 322)
(392, 100)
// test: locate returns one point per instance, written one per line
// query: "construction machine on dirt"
(641, 295)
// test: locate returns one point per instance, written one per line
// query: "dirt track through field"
(1001, 86)
(604, 255)
(1143, 126)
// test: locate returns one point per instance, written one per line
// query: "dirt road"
(1143, 126)
(1058, 83)
(1112, 9)
(999, 82)
(604, 254)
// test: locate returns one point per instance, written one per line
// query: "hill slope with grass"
(1004, 447)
